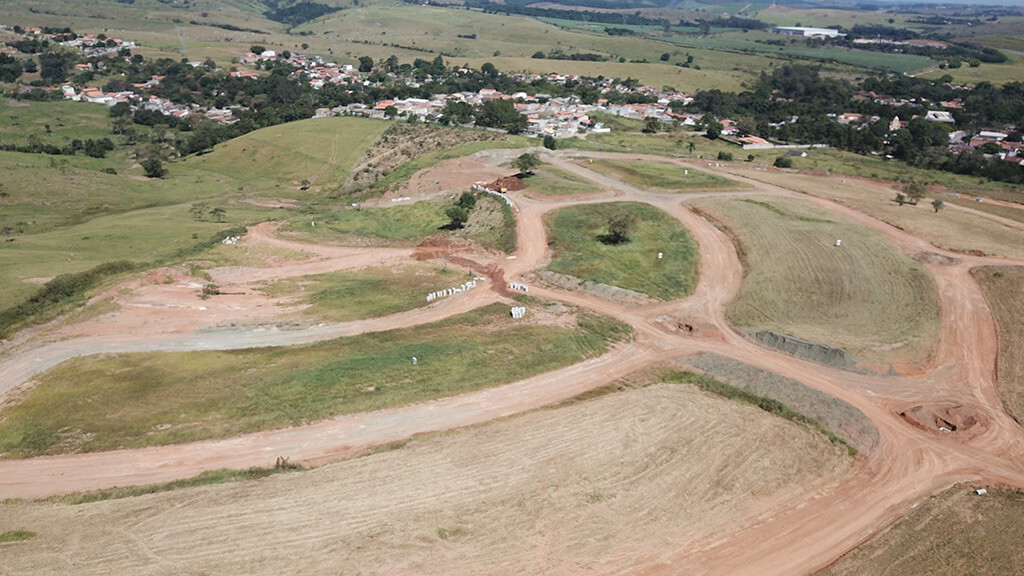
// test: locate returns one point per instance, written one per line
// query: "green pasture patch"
(864, 296)
(402, 224)
(367, 293)
(16, 536)
(54, 123)
(550, 181)
(858, 58)
(661, 176)
(276, 160)
(575, 235)
(105, 402)
(146, 235)
(997, 74)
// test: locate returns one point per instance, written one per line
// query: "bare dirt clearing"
(596, 486)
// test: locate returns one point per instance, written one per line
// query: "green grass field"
(274, 161)
(864, 297)
(550, 181)
(574, 236)
(662, 176)
(132, 400)
(368, 293)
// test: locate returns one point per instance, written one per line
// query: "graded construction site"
(633, 422)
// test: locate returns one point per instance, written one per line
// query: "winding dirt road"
(801, 534)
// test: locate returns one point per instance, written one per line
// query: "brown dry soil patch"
(1004, 290)
(954, 533)
(601, 485)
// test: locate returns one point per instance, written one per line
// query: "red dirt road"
(801, 534)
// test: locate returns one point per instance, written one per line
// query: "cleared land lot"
(105, 402)
(952, 534)
(1004, 290)
(864, 296)
(598, 485)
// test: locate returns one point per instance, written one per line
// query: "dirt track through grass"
(863, 296)
(599, 485)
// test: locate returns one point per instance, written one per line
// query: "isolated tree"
(938, 205)
(257, 49)
(901, 198)
(525, 163)
(665, 57)
(651, 126)
(619, 227)
(783, 162)
(914, 191)
(218, 213)
(365, 64)
(458, 216)
(390, 112)
(198, 210)
(154, 168)
(690, 147)
(549, 142)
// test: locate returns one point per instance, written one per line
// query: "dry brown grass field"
(864, 296)
(952, 534)
(596, 485)
(950, 228)
(1004, 290)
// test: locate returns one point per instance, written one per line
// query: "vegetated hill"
(295, 156)
(403, 142)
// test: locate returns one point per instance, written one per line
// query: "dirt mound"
(507, 184)
(812, 351)
(961, 421)
(840, 417)
(933, 258)
(606, 291)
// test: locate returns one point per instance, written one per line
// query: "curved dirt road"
(801, 534)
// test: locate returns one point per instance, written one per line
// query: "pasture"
(577, 234)
(865, 297)
(97, 403)
(579, 481)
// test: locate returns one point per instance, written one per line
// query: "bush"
(726, 156)
(783, 162)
